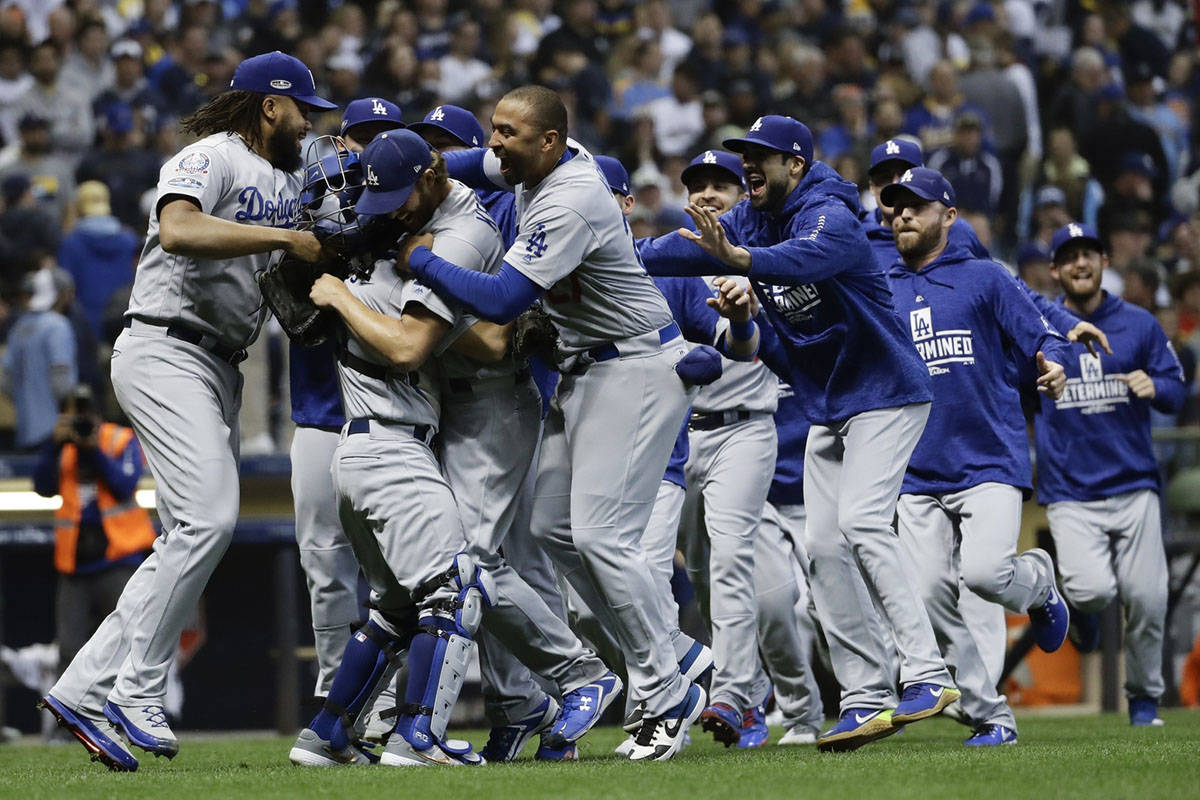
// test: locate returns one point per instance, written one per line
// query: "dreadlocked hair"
(236, 111)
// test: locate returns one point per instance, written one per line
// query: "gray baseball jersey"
(406, 397)
(217, 296)
(575, 243)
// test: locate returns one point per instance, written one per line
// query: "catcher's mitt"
(285, 286)
(534, 334)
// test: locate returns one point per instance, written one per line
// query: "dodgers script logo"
(277, 212)
(1093, 392)
(939, 349)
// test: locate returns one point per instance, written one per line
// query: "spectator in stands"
(1071, 173)
(130, 88)
(393, 74)
(1136, 44)
(14, 82)
(848, 59)
(1049, 214)
(178, 74)
(1129, 230)
(1033, 265)
(641, 81)
(127, 169)
(707, 58)
(932, 120)
(974, 173)
(67, 107)
(853, 130)
(25, 224)
(51, 173)
(1113, 133)
(657, 25)
(40, 365)
(101, 534)
(89, 69)
(463, 77)
(1073, 105)
(99, 252)
(679, 118)
(1141, 285)
(1146, 107)
(803, 94)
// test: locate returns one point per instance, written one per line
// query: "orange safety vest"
(127, 525)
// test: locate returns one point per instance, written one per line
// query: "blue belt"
(363, 425)
(607, 352)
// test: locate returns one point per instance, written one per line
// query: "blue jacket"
(1094, 442)
(316, 395)
(964, 314)
(100, 254)
(824, 294)
(791, 429)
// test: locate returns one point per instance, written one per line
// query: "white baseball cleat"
(450, 753)
(797, 736)
(310, 750)
(662, 737)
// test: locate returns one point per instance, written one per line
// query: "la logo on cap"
(1074, 230)
(378, 108)
(710, 157)
(795, 145)
(892, 148)
(757, 124)
(437, 115)
(281, 84)
(907, 177)
(372, 178)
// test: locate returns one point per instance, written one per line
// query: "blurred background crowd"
(1038, 111)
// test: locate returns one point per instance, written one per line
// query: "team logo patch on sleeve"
(185, 183)
(194, 163)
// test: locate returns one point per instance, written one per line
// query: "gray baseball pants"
(852, 476)
(183, 403)
(325, 553)
(489, 437)
(1114, 548)
(729, 472)
(970, 533)
(605, 447)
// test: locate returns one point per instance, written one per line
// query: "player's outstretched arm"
(406, 342)
(498, 298)
(477, 167)
(184, 229)
(485, 342)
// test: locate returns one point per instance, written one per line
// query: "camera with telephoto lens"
(83, 424)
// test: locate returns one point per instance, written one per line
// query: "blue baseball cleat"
(582, 708)
(923, 700)
(568, 752)
(98, 736)
(723, 722)
(145, 726)
(992, 736)
(754, 728)
(1050, 622)
(857, 727)
(506, 742)
(1143, 713)
(696, 663)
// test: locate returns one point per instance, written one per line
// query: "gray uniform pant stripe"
(972, 533)
(183, 404)
(325, 553)
(1110, 548)
(852, 476)
(729, 471)
(604, 450)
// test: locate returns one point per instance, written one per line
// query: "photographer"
(101, 535)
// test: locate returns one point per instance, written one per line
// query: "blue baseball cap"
(279, 73)
(715, 159)
(454, 120)
(370, 109)
(784, 134)
(615, 174)
(902, 151)
(392, 163)
(1071, 232)
(925, 183)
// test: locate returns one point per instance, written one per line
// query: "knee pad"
(472, 590)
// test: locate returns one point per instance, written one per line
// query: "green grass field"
(1058, 757)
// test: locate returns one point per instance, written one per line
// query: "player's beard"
(283, 151)
(773, 197)
(926, 242)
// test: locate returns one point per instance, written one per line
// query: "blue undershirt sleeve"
(498, 298)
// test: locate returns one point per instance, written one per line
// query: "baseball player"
(325, 553)
(959, 512)
(515, 698)
(224, 205)
(619, 404)
(1096, 468)
(428, 593)
(867, 395)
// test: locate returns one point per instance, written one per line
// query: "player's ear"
(270, 107)
(950, 216)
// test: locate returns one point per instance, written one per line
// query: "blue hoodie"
(1094, 441)
(315, 393)
(964, 314)
(791, 429)
(824, 294)
(100, 253)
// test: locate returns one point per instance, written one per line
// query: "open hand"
(1052, 378)
(710, 235)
